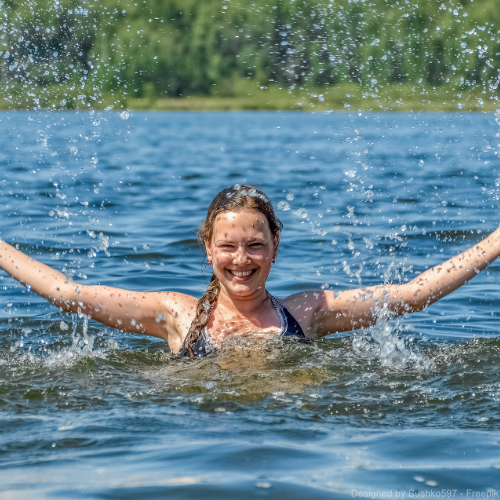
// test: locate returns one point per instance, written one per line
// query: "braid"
(203, 309)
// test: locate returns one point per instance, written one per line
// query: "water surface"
(410, 405)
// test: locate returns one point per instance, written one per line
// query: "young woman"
(241, 235)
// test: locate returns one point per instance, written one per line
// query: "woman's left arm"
(324, 312)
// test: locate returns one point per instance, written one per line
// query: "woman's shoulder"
(177, 311)
(179, 303)
(303, 305)
(303, 300)
(177, 297)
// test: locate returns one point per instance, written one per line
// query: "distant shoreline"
(228, 104)
(346, 97)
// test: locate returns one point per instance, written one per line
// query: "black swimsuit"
(289, 328)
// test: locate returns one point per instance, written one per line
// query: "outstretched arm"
(327, 312)
(122, 309)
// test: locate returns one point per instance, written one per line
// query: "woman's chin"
(243, 289)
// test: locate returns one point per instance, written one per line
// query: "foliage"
(108, 51)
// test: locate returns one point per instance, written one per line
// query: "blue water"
(410, 406)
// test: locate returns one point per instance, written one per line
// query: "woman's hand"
(325, 312)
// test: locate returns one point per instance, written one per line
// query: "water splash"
(55, 352)
(391, 343)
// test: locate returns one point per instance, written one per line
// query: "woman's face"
(242, 250)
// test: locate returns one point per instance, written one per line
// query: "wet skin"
(242, 249)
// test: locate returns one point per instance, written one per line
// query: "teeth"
(242, 274)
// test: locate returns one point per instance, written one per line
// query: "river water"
(407, 408)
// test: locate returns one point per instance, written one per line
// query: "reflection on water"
(409, 403)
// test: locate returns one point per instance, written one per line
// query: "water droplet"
(301, 212)
(264, 485)
(283, 205)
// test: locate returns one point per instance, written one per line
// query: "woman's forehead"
(245, 220)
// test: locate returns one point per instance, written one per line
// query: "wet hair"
(234, 199)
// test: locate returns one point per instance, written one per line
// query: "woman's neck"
(248, 306)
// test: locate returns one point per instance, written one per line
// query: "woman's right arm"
(137, 312)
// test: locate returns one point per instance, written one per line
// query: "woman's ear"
(208, 249)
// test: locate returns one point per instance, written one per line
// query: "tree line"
(175, 48)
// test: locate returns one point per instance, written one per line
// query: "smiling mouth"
(242, 274)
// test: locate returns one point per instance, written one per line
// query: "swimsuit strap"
(280, 310)
(289, 325)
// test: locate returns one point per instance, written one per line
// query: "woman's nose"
(240, 256)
